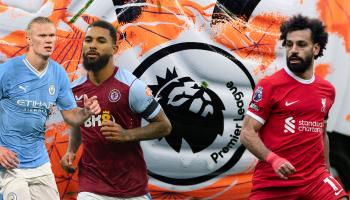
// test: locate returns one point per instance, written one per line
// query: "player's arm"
(77, 116)
(8, 159)
(142, 103)
(73, 146)
(66, 103)
(159, 126)
(251, 140)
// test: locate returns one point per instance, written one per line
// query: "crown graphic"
(162, 82)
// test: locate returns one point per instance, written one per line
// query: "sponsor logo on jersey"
(291, 125)
(78, 98)
(254, 106)
(52, 89)
(34, 105)
(288, 103)
(114, 95)
(96, 120)
(323, 102)
(23, 88)
(258, 94)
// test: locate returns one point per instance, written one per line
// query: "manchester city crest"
(11, 196)
(52, 89)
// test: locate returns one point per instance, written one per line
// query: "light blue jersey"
(26, 98)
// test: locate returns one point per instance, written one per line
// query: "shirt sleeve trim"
(256, 117)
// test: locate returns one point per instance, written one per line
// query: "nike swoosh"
(290, 103)
(337, 193)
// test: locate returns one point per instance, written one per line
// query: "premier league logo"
(203, 144)
(258, 94)
(186, 101)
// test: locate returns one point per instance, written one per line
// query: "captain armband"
(150, 109)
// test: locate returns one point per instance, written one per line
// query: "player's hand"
(8, 159)
(114, 132)
(91, 105)
(282, 167)
(67, 162)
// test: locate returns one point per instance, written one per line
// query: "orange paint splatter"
(336, 16)
(348, 117)
(160, 27)
(255, 39)
(323, 70)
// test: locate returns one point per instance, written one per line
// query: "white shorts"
(34, 184)
(92, 196)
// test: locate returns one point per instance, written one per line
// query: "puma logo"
(23, 88)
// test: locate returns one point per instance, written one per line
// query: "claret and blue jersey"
(26, 98)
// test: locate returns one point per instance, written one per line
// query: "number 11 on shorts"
(333, 183)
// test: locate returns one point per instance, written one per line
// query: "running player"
(112, 165)
(30, 85)
(285, 125)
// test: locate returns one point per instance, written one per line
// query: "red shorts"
(325, 187)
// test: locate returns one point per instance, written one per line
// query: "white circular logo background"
(209, 67)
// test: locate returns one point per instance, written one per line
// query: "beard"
(97, 64)
(299, 67)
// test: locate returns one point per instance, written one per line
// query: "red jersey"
(292, 111)
(107, 168)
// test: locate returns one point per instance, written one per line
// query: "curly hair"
(299, 22)
(106, 25)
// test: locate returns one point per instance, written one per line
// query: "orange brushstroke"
(255, 39)
(3, 7)
(241, 189)
(14, 43)
(323, 70)
(57, 146)
(336, 16)
(168, 28)
(193, 5)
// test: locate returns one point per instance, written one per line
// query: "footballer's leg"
(275, 193)
(92, 196)
(43, 188)
(17, 188)
(326, 187)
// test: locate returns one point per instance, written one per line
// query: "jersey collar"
(297, 78)
(34, 70)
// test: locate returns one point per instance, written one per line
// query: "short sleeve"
(142, 101)
(65, 99)
(261, 102)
